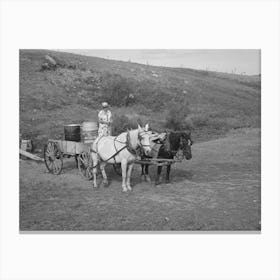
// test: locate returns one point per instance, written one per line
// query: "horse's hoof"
(148, 179)
(129, 188)
(124, 190)
(105, 184)
(142, 178)
(95, 187)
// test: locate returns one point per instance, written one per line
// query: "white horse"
(123, 149)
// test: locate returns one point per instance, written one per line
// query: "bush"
(61, 63)
(121, 123)
(176, 118)
(116, 89)
(188, 124)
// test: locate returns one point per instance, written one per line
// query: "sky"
(240, 61)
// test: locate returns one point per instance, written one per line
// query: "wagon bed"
(71, 148)
(56, 150)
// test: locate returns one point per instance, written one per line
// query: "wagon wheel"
(76, 161)
(85, 165)
(53, 158)
(118, 168)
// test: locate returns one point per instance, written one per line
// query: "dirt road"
(219, 189)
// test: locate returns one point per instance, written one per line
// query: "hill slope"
(215, 102)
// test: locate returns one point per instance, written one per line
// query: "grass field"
(219, 189)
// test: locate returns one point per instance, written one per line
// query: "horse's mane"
(133, 142)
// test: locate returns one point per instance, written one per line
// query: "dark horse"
(175, 142)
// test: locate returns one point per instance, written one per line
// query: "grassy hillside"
(210, 103)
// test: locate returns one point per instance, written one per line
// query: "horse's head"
(144, 139)
(185, 144)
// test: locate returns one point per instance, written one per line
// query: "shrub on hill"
(116, 88)
(152, 95)
(176, 117)
(78, 84)
(121, 123)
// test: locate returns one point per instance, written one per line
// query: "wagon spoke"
(47, 152)
(53, 158)
(51, 165)
(88, 172)
(50, 148)
(83, 160)
(84, 165)
(55, 166)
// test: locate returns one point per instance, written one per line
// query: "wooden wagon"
(56, 150)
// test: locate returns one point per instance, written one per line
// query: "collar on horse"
(135, 151)
(168, 146)
(127, 145)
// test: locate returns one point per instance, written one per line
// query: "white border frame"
(157, 24)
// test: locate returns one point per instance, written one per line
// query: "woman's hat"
(104, 104)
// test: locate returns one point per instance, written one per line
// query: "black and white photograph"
(140, 140)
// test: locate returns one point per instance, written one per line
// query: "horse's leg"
(94, 170)
(105, 179)
(158, 175)
(142, 172)
(147, 175)
(129, 171)
(168, 168)
(124, 167)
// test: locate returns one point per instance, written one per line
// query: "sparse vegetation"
(116, 89)
(219, 189)
(211, 103)
(122, 123)
(176, 117)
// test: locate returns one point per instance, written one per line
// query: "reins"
(127, 146)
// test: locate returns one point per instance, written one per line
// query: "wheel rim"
(85, 165)
(53, 158)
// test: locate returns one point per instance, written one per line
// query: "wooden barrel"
(89, 131)
(72, 132)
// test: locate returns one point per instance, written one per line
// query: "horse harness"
(127, 146)
(176, 152)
